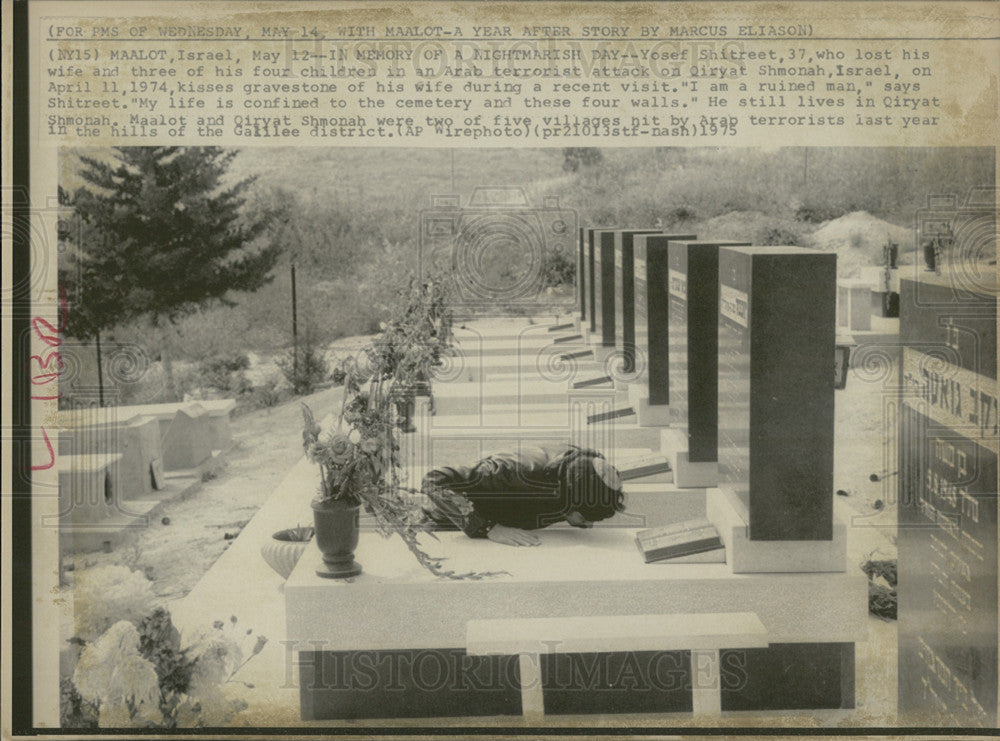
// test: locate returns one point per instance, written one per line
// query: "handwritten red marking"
(52, 455)
(42, 378)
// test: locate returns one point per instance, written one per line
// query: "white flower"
(111, 672)
(107, 594)
(218, 656)
(354, 437)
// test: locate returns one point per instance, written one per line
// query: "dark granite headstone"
(777, 317)
(947, 517)
(649, 257)
(581, 273)
(604, 286)
(693, 358)
(625, 294)
(591, 292)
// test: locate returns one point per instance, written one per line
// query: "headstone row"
(731, 348)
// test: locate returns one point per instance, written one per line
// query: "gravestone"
(113, 430)
(650, 268)
(777, 316)
(591, 292)
(854, 305)
(188, 442)
(604, 287)
(625, 295)
(692, 360)
(581, 274)
(947, 517)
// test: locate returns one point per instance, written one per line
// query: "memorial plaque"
(650, 267)
(604, 286)
(777, 317)
(947, 517)
(693, 288)
(581, 273)
(625, 294)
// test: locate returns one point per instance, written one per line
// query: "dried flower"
(338, 448)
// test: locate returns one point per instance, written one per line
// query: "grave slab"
(604, 289)
(947, 493)
(187, 443)
(776, 341)
(692, 360)
(625, 295)
(137, 440)
(854, 305)
(544, 583)
(652, 316)
(581, 277)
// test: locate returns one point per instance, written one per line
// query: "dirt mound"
(755, 227)
(857, 238)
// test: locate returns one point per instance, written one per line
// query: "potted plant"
(285, 548)
(359, 458)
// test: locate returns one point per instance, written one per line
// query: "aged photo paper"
(664, 334)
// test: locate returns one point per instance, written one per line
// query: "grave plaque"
(581, 273)
(693, 288)
(650, 267)
(777, 321)
(947, 517)
(604, 286)
(625, 294)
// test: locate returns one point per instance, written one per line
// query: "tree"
(162, 233)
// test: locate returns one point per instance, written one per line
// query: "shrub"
(775, 235)
(679, 214)
(266, 395)
(310, 371)
(560, 268)
(225, 373)
(817, 214)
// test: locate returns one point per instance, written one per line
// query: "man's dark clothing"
(526, 490)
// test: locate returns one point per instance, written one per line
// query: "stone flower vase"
(337, 525)
(284, 549)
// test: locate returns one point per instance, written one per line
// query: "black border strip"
(21, 680)
(535, 731)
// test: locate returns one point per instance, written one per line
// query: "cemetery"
(721, 379)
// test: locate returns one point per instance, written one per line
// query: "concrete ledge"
(687, 474)
(652, 415)
(653, 505)
(573, 573)
(607, 633)
(772, 556)
(603, 352)
(674, 444)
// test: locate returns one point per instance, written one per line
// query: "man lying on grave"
(504, 496)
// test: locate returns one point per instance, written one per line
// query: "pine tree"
(161, 233)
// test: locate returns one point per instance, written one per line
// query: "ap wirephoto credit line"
(545, 368)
